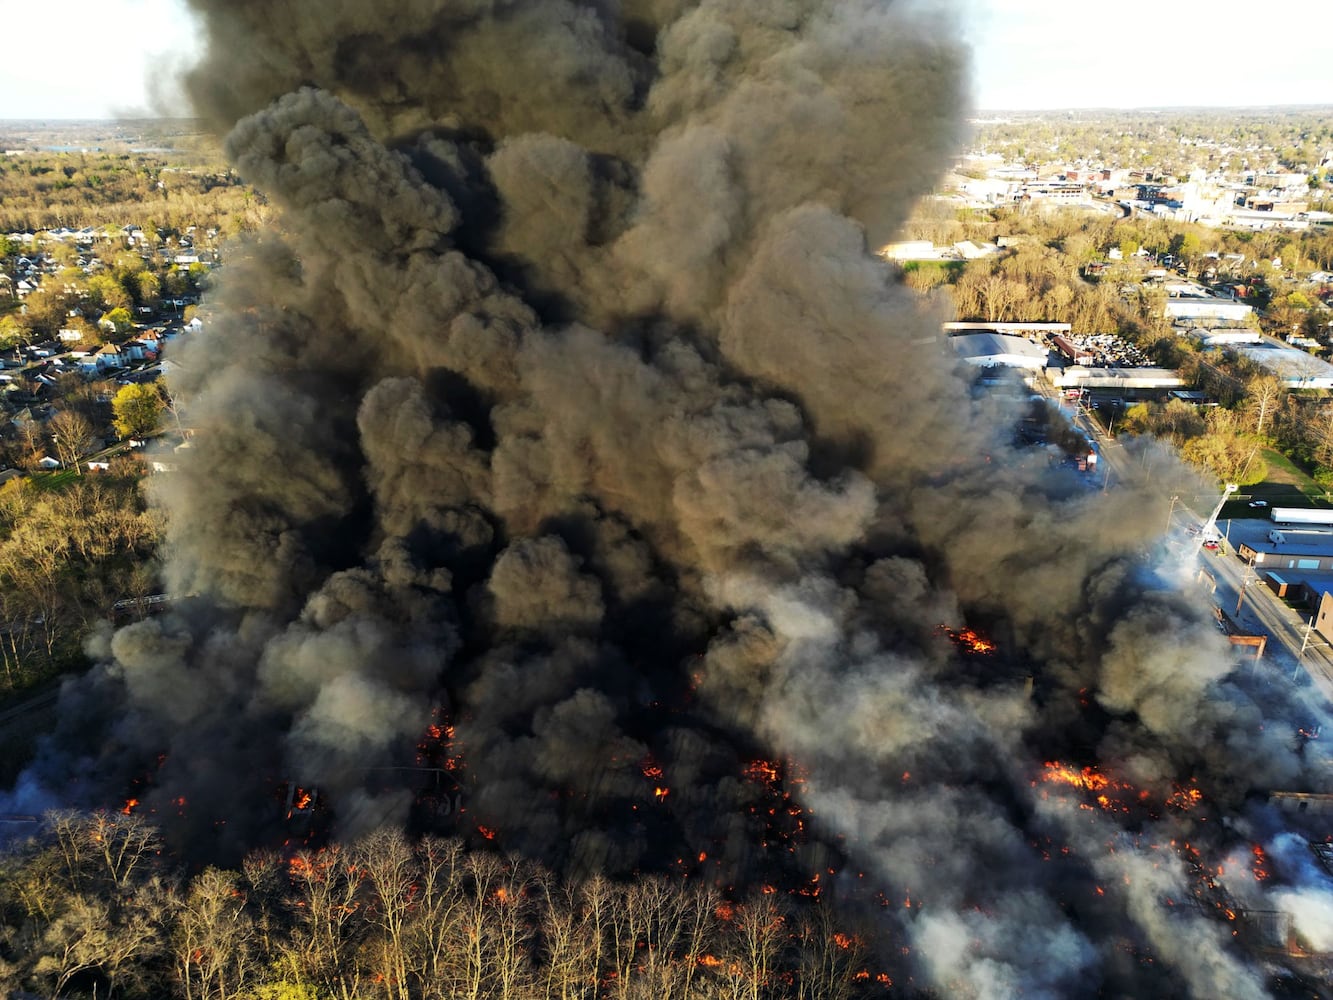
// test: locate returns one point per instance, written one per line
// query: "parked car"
(1258, 503)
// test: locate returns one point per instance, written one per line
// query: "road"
(31, 705)
(1262, 612)
(1114, 466)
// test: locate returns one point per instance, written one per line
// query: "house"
(195, 325)
(47, 462)
(98, 466)
(109, 356)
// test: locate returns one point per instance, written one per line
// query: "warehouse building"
(987, 350)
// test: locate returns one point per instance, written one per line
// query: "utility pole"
(1305, 643)
(1244, 585)
(1175, 498)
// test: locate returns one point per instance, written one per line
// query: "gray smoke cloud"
(567, 400)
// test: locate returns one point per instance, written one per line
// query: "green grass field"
(1286, 486)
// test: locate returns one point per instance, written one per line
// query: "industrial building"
(987, 350)
(1031, 330)
(1292, 366)
(1206, 309)
(1227, 338)
(1296, 549)
(1079, 377)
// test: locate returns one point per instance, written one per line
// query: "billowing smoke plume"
(567, 404)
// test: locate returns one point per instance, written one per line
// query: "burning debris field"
(568, 478)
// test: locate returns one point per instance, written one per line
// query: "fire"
(661, 793)
(1113, 795)
(128, 807)
(1259, 867)
(844, 941)
(763, 771)
(486, 832)
(968, 639)
(1185, 798)
(711, 961)
(1088, 778)
(437, 747)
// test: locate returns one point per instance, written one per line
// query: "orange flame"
(486, 832)
(1087, 778)
(968, 639)
(1185, 798)
(128, 807)
(764, 771)
(1258, 867)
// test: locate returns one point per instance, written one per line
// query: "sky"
(108, 58)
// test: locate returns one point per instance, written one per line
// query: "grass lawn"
(1286, 486)
(53, 480)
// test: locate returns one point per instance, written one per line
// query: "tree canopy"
(137, 409)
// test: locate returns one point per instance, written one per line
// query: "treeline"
(1257, 413)
(92, 908)
(49, 191)
(68, 552)
(1171, 142)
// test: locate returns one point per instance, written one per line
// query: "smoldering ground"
(567, 402)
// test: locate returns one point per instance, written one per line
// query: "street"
(1262, 612)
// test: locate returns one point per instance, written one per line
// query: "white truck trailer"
(1301, 515)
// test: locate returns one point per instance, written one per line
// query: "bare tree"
(329, 923)
(757, 931)
(72, 437)
(435, 934)
(214, 945)
(1263, 397)
(391, 872)
(829, 957)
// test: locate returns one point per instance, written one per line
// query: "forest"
(93, 908)
(44, 191)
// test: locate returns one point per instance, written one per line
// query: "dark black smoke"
(566, 404)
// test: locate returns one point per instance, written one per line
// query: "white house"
(109, 356)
